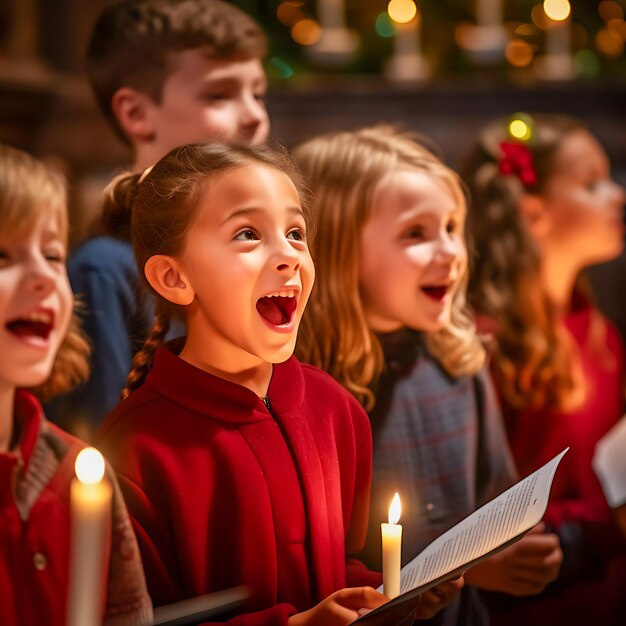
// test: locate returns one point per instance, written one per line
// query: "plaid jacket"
(440, 443)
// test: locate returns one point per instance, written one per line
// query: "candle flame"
(401, 11)
(89, 466)
(557, 10)
(395, 509)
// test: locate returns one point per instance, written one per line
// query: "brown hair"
(344, 170)
(133, 41)
(161, 207)
(533, 357)
(29, 189)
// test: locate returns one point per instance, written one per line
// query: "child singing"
(545, 207)
(388, 319)
(239, 464)
(43, 353)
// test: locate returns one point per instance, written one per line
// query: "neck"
(145, 155)
(559, 275)
(254, 375)
(7, 405)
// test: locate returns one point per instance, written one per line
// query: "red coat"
(224, 492)
(35, 482)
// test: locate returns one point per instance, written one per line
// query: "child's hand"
(620, 515)
(439, 597)
(523, 569)
(339, 608)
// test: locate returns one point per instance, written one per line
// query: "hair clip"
(144, 174)
(516, 159)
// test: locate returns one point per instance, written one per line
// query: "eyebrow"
(255, 210)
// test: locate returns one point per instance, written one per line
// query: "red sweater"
(593, 583)
(223, 491)
(35, 482)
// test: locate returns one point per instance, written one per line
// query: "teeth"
(44, 318)
(282, 294)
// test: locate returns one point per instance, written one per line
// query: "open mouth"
(436, 292)
(37, 325)
(277, 310)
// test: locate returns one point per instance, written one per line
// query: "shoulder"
(325, 394)
(102, 253)
(324, 387)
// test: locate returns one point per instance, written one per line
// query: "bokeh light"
(306, 32)
(609, 43)
(557, 10)
(384, 26)
(587, 63)
(520, 127)
(518, 53)
(288, 13)
(609, 10)
(402, 11)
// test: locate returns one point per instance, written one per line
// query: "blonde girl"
(44, 353)
(388, 319)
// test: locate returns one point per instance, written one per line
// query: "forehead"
(578, 150)
(409, 192)
(40, 219)
(248, 186)
(188, 66)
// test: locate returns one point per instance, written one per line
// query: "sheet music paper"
(494, 526)
(609, 463)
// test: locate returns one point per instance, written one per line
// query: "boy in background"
(164, 73)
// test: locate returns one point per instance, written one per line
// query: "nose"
(447, 248)
(286, 258)
(253, 114)
(39, 276)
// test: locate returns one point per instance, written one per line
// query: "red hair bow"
(517, 160)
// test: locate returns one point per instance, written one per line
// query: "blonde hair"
(344, 170)
(533, 356)
(161, 205)
(28, 190)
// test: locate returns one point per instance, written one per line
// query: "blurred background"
(439, 67)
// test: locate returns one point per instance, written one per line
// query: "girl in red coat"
(544, 208)
(42, 348)
(239, 464)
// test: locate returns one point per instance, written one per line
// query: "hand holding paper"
(495, 526)
(526, 568)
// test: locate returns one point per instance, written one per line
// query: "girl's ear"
(132, 111)
(167, 279)
(536, 215)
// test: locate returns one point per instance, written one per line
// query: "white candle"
(407, 62)
(557, 63)
(392, 550)
(90, 502)
(330, 13)
(558, 39)
(489, 13)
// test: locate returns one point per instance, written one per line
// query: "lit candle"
(557, 62)
(392, 550)
(407, 62)
(90, 502)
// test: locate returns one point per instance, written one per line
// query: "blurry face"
(206, 99)
(584, 206)
(247, 259)
(35, 303)
(412, 255)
